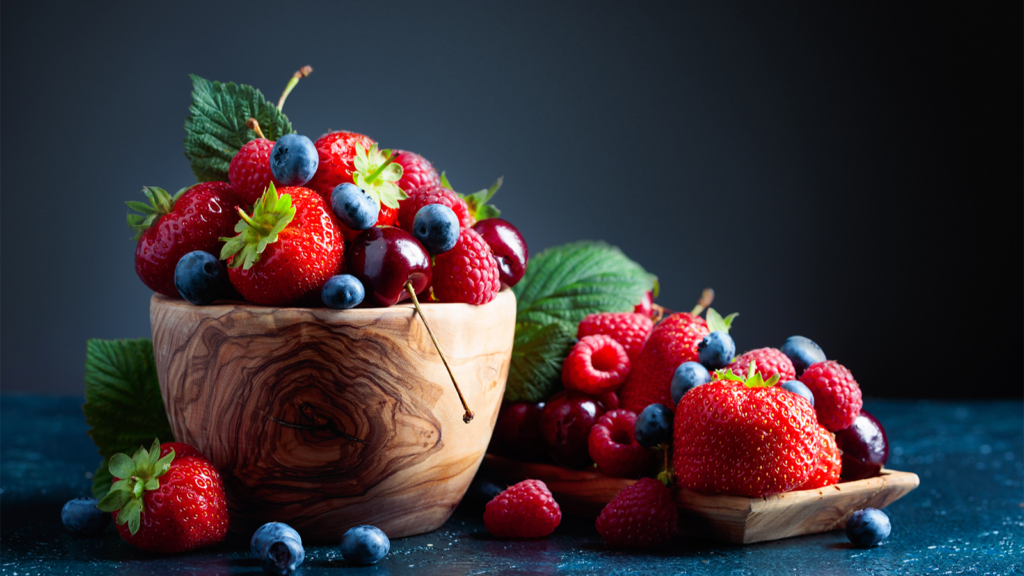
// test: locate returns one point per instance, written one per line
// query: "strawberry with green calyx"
(377, 174)
(167, 499)
(718, 324)
(479, 209)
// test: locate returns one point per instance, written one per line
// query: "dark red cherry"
(865, 448)
(518, 430)
(565, 425)
(508, 246)
(384, 258)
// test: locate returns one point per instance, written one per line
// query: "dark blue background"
(848, 173)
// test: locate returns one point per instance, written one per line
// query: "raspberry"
(837, 398)
(249, 171)
(828, 463)
(612, 446)
(337, 152)
(417, 171)
(767, 361)
(673, 341)
(596, 364)
(640, 516)
(466, 273)
(629, 329)
(432, 194)
(524, 510)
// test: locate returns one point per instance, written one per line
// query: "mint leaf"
(215, 128)
(537, 354)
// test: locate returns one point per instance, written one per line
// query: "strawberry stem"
(302, 73)
(706, 298)
(380, 169)
(254, 125)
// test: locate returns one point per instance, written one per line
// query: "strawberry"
(467, 273)
(249, 171)
(641, 516)
(286, 250)
(417, 171)
(744, 437)
(837, 396)
(377, 174)
(167, 500)
(432, 194)
(673, 341)
(337, 152)
(767, 362)
(170, 227)
(629, 329)
(827, 465)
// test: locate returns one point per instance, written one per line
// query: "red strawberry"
(466, 273)
(249, 171)
(169, 228)
(828, 463)
(613, 447)
(417, 171)
(837, 396)
(168, 499)
(524, 510)
(767, 362)
(673, 341)
(641, 516)
(746, 438)
(337, 152)
(432, 195)
(595, 365)
(629, 329)
(286, 250)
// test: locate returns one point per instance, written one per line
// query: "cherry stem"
(254, 125)
(415, 302)
(706, 298)
(380, 170)
(302, 73)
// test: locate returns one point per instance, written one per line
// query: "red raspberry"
(337, 152)
(767, 361)
(419, 198)
(466, 273)
(837, 398)
(629, 329)
(524, 510)
(417, 171)
(596, 364)
(249, 171)
(614, 448)
(828, 463)
(640, 516)
(673, 341)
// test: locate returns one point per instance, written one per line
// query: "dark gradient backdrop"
(848, 173)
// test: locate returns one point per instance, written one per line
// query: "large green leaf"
(537, 355)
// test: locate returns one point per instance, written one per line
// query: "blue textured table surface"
(967, 517)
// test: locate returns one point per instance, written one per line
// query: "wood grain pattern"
(584, 493)
(327, 419)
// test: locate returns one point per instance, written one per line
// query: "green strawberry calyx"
(270, 215)
(160, 203)
(137, 474)
(753, 379)
(718, 324)
(377, 173)
(479, 209)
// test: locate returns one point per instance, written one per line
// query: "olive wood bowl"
(327, 419)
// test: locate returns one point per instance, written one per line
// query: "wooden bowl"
(327, 419)
(736, 519)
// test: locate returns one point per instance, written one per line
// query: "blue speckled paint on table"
(967, 517)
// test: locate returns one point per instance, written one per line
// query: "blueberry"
(716, 350)
(342, 292)
(201, 278)
(82, 517)
(687, 376)
(354, 207)
(653, 426)
(293, 160)
(868, 527)
(365, 545)
(278, 547)
(797, 387)
(802, 352)
(436, 227)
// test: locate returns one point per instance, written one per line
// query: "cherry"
(518, 430)
(565, 424)
(865, 448)
(508, 246)
(384, 259)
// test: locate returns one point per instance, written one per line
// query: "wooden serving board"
(736, 519)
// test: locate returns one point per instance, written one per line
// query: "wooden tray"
(584, 493)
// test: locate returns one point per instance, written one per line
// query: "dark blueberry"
(868, 527)
(342, 292)
(716, 350)
(293, 160)
(688, 376)
(82, 517)
(436, 227)
(201, 278)
(802, 352)
(365, 545)
(653, 426)
(354, 207)
(482, 490)
(278, 547)
(797, 387)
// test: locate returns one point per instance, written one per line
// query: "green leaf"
(101, 481)
(537, 355)
(121, 466)
(123, 405)
(445, 182)
(215, 128)
(113, 500)
(477, 202)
